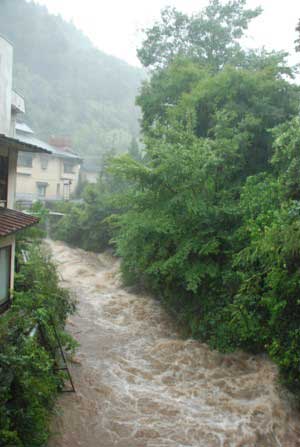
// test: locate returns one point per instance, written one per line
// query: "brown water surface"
(139, 384)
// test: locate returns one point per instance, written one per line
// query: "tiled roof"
(12, 221)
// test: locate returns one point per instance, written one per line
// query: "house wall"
(6, 61)
(6, 115)
(53, 175)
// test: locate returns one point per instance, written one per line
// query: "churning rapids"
(139, 384)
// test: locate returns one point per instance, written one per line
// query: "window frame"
(25, 160)
(44, 160)
(39, 186)
(68, 167)
(6, 304)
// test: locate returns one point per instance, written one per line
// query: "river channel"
(140, 384)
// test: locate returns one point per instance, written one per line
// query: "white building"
(11, 221)
(46, 177)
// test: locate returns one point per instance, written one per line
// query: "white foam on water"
(139, 384)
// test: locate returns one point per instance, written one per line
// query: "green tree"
(183, 207)
(210, 37)
(134, 150)
(207, 222)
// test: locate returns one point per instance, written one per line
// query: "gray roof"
(26, 135)
(22, 127)
(21, 145)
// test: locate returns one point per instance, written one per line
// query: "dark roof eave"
(17, 230)
(13, 143)
(12, 221)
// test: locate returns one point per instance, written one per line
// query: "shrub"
(29, 382)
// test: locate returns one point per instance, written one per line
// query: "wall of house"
(6, 61)
(53, 175)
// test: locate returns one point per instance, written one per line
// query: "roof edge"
(7, 40)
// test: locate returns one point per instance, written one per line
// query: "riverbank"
(140, 385)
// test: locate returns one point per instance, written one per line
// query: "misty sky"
(114, 25)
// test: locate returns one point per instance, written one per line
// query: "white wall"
(6, 61)
(53, 175)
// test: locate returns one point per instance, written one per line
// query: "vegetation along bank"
(209, 219)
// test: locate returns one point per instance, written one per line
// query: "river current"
(140, 384)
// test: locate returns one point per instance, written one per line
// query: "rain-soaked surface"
(139, 384)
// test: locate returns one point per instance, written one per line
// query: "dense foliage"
(210, 37)
(209, 218)
(71, 88)
(212, 213)
(85, 222)
(29, 382)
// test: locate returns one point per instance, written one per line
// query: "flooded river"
(139, 384)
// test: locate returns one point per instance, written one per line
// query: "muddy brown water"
(139, 384)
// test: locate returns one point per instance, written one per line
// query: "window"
(5, 260)
(41, 189)
(68, 167)
(3, 180)
(25, 160)
(44, 161)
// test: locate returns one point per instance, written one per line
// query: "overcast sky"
(114, 26)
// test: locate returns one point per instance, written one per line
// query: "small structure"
(51, 177)
(11, 221)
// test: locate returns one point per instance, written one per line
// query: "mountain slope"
(71, 88)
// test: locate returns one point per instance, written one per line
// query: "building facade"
(46, 177)
(11, 221)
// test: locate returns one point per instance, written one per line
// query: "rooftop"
(12, 221)
(26, 135)
(14, 143)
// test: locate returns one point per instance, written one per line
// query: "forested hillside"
(71, 88)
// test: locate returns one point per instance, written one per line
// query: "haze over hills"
(71, 88)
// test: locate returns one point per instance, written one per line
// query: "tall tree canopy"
(210, 37)
(210, 219)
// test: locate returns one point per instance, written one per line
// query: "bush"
(29, 382)
(85, 223)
